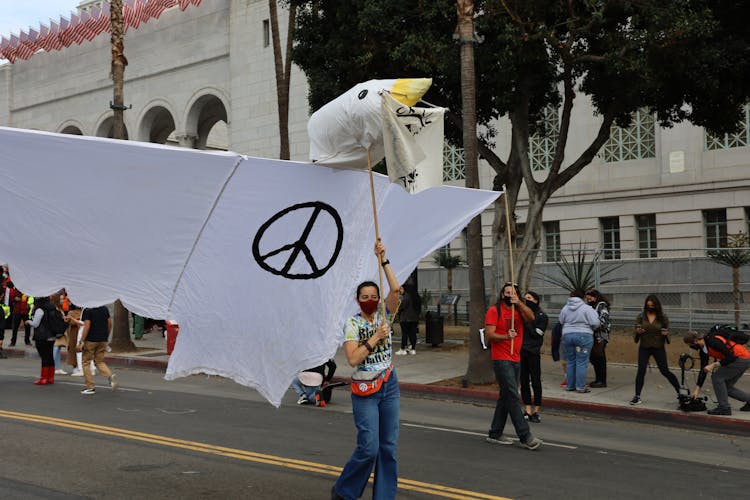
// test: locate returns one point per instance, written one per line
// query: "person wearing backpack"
(725, 345)
(43, 338)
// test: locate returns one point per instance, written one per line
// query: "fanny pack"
(367, 383)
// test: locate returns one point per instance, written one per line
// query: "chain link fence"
(695, 291)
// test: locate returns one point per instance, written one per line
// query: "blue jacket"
(578, 317)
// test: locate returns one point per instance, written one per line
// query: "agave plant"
(577, 272)
(736, 255)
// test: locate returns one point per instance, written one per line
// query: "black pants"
(409, 331)
(599, 362)
(531, 375)
(44, 348)
(660, 356)
(17, 320)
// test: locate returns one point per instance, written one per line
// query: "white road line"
(470, 433)
(119, 389)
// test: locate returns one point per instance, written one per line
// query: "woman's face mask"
(368, 306)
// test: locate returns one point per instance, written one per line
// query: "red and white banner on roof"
(79, 27)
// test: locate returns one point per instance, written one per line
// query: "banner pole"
(510, 261)
(377, 234)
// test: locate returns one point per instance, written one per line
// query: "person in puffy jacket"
(578, 324)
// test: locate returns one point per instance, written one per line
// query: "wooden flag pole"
(510, 261)
(377, 233)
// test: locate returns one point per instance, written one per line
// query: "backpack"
(730, 333)
(54, 322)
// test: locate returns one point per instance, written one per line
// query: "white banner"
(413, 141)
(257, 260)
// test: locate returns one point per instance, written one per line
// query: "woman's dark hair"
(598, 296)
(535, 295)
(367, 283)
(577, 293)
(413, 293)
(38, 301)
(657, 305)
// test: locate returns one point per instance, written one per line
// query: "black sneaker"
(746, 407)
(720, 410)
(636, 400)
(526, 416)
(598, 385)
(535, 418)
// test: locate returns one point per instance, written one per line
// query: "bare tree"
(121, 324)
(283, 67)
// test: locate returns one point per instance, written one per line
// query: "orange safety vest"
(739, 350)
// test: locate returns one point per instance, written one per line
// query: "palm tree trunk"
(283, 73)
(120, 319)
(479, 369)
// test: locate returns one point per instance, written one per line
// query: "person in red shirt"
(504, 330)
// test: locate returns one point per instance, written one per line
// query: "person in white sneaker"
(408, 313)
(75, 330)
(97, 324)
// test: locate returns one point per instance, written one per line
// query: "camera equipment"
(685, 400)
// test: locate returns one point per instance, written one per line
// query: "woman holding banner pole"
(376, 399)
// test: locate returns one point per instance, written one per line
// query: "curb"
(696, 420)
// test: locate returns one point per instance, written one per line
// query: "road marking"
(459, 431)
(80, 384)
(403, 483)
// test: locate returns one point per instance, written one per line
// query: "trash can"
(171, 333)
(433, 329)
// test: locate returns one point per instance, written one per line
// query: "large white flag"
(258, 260)
(413, 141)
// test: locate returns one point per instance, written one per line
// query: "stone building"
(654, 199)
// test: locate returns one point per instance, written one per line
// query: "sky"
(20, 14)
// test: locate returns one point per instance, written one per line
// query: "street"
(205, 437)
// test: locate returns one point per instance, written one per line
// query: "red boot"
(43, 378)
(51, 374)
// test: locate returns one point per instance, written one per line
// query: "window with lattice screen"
(737, 140)
(636, 142)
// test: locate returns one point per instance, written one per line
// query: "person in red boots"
(43, 338)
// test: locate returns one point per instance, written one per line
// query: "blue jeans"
(577, 349)
(376, 418)
(305, 390)
(56, 355)
(508, 403)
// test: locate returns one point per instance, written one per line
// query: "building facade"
(654, 199)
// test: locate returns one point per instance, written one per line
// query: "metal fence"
(695, 291)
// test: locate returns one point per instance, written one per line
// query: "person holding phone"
(652, 333)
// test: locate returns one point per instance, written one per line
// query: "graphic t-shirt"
(358, 329)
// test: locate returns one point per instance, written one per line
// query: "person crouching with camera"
(732, 360)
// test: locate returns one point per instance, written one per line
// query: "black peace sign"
(300, 245)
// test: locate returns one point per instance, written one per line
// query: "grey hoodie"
(578, 317)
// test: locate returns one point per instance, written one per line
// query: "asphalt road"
(205, 437)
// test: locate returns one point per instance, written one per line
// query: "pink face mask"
(369, 306)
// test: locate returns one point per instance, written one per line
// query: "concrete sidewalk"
(420, 374)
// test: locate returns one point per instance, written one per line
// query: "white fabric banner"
(413, 140)
(257, 260)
